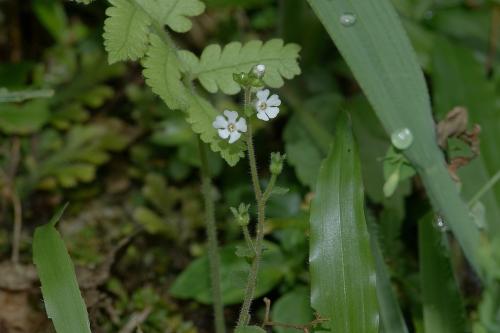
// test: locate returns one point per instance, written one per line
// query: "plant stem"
(211, 230)
(488, 186)
(244, 317)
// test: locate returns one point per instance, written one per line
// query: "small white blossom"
(229, 127)
(267, 107)
(259, 70)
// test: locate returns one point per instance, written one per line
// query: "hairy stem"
(211, 230)
(244, 317)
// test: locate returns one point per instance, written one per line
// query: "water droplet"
(348, 19)
(402, 139)
(441, 224)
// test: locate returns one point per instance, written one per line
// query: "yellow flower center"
(231, 127)
(262, 106)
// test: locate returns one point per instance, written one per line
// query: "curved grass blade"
(443, 307)
(373, 42)
(342, 273)
(63, 302)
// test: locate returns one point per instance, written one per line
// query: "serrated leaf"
(215, 67)
(63, 301)
(200, 115)
(163, 75)
(125, 31)
(342, 268)
(174, 13)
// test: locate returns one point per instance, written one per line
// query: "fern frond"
(215, 68)
(163, 74)
(200, 115)
(174, 13)
(125, 31)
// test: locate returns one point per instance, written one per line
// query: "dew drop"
(348, 19)
(402, 139)
(441, 224)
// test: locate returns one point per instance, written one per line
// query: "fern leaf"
(201, 114)
(163, 75)
(125, 31)
(215, 68)
(174, 13)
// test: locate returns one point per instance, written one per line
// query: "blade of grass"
(390, 312)
(373, 42)
(63, 302)
(342, 270)
(443, 307)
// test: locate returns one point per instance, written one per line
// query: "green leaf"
(201, 115)
(443, 308)
(388, 72)
(216, 66)
(20, 96)
(174, 13)
(194, 282)
(391, 316)
(125, 31)
(460, 80)
(249, 329)
(163, 75)
(342, 269)
(292, 308)
(63, 301)
(23, 119)
(307, 135)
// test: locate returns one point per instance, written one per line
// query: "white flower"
(267, 108)
(230, 128)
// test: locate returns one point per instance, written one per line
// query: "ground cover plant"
(249, 166)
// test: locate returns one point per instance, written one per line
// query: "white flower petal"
(224, 133)
(274, 100)
(241, 125)
(220, 122)
(234, 136)
(262, 95)
(231, 116)
(272, 112)
(262, 116)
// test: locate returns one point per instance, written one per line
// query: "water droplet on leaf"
(441, 224)
(402, 139)
(348, 19)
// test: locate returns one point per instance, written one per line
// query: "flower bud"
(276, 165)
(259, 70)
(241, 214)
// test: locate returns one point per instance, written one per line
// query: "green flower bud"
(241, 214)
(276, 165)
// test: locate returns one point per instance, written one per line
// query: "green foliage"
(201, 115)
(292, 308)
(24, 119)
(63, 301)
(249, 329)
(216, 66)
(126, 31)
(388, 72)
(443, 308)
(173, 13)
(162, 73)
(342, 269)
(193, 283)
